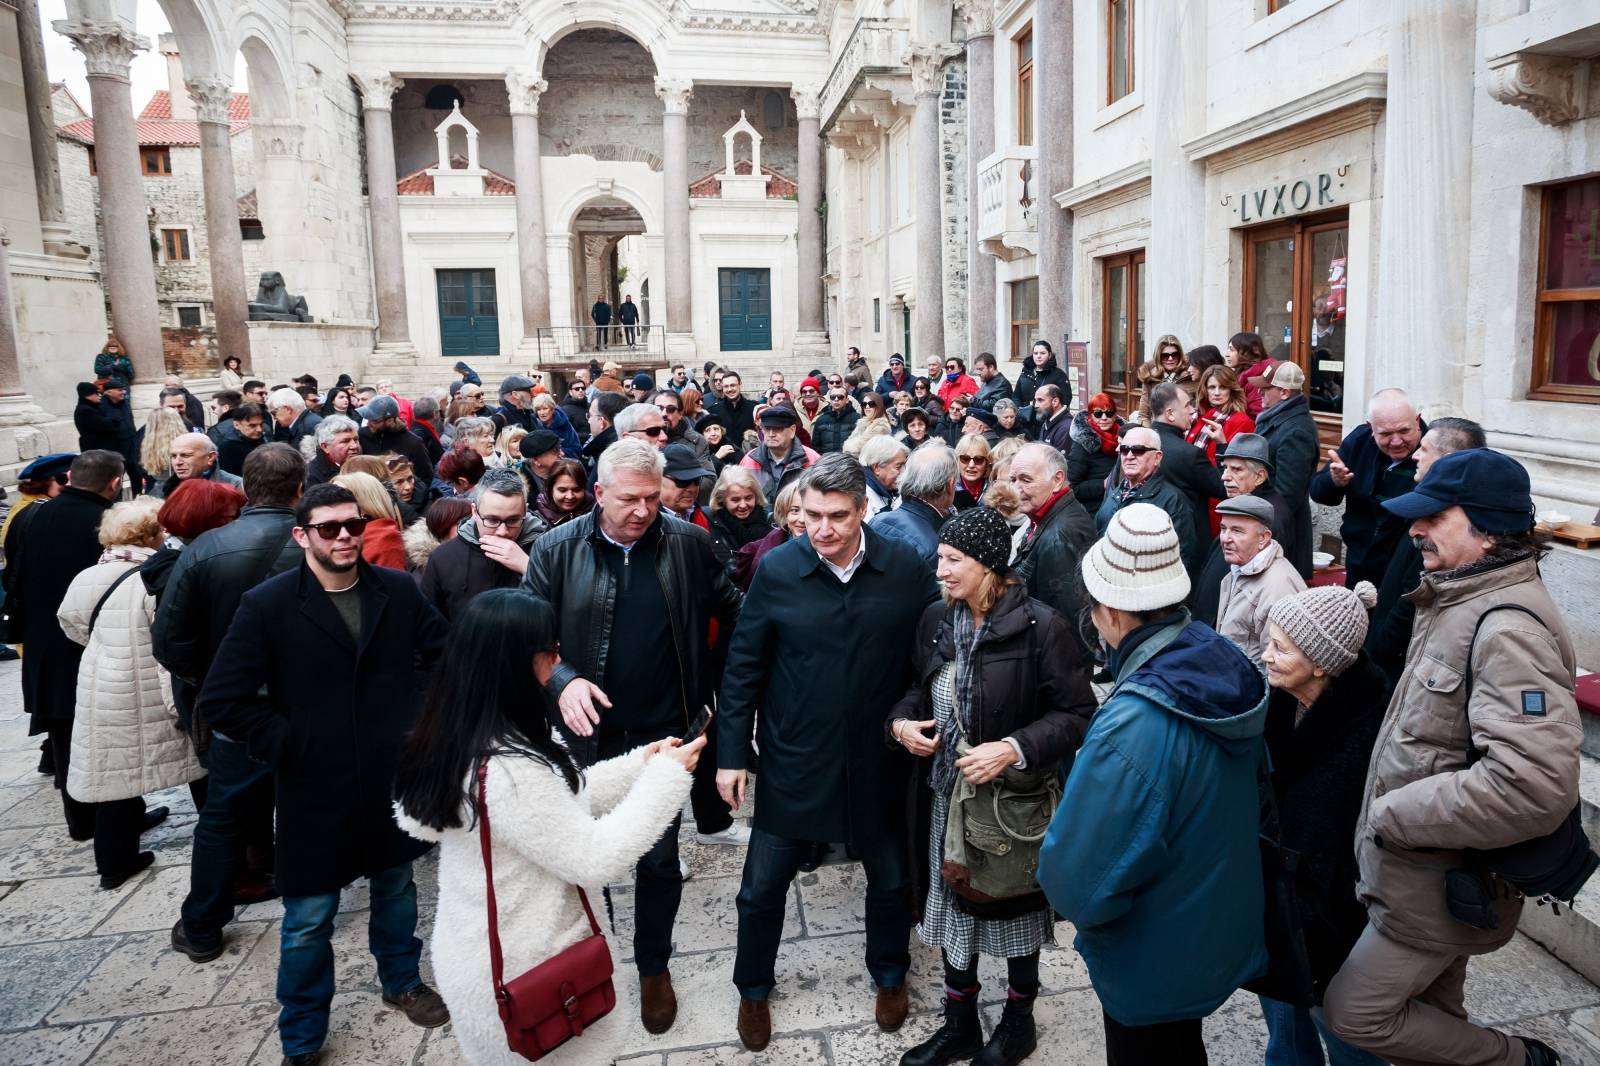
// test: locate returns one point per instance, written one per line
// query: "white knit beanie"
(1136, 565)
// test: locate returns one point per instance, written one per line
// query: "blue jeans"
(1292, 1039)
(238, 808)
(770, 865)
(305, 954)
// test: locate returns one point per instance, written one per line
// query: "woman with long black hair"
(553, 827)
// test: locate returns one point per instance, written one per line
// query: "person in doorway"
(600, 315)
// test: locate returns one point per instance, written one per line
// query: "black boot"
(1014, 1038)
(1540, 1053)
(960, 1037)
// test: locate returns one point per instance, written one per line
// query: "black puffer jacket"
(1192, 474)
(1292, 432)
(400, 442)
(832, 428)
(732, 534)
(458, 570)
(1319, 775)
(1032, 377)
(1087, 465)
(567, 570)
(97, 426)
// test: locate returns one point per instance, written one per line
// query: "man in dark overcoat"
(822, 652)
(320, 677)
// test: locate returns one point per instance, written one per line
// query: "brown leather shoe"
(755, 1024)
(891, 1009)
(658, 1004)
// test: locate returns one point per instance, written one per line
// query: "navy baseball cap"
(1492, 488)
(51, 465)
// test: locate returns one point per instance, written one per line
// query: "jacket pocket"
(1435, 713)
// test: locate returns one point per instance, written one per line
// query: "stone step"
(1572, 933)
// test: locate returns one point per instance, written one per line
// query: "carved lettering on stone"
(107, 45)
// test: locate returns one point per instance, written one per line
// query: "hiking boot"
(1014, 1038)
(960, 1037)
(422, 1005)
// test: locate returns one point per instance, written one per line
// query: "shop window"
(1296, 284)
(1024, 317)
(1122, 326)
(156, 161)
(1025, 87)
(1119, 49)
(175, 245)
(189, 316)
(1566, 338)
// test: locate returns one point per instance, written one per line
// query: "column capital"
(525, 87)
(211, 93)
(108, 45)
(675, 94)
(807, 101)
(977, 16)
(278, 138)
(927, 67)
(377, 88)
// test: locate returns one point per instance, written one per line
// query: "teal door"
(469, 322)
(745, 302)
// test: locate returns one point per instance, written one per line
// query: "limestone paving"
(88, 976)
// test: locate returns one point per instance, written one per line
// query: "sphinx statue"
(273, 303)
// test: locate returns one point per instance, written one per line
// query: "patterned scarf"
(942, 776)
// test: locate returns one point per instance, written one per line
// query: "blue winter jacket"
(1153, 852)
(914, 524)
(561, 426)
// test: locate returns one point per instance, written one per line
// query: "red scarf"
(1038, 516)
(1108, 437)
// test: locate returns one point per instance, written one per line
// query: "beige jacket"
(1249, 593)
(1423, 802)
(125, 736)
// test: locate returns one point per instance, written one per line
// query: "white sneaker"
(683, 871)
(737, 835)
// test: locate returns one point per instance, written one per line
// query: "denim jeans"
(305, 954)
(1292, 1039)
(769, 869)
(238, 797)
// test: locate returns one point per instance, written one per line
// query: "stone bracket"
(1544, 86)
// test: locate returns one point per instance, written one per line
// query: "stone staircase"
(1572, 934)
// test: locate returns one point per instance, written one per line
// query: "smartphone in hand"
(698, 725)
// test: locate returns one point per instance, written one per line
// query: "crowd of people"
(871, 611)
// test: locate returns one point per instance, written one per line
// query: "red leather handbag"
(563, 995)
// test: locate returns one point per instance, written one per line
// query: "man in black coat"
(232, 855)
(1376, 461)
(1246, 470)
(1185, 465)
(737, 413)
(386, 432)
(1052, 418)
(337, 440)
(637, 592)
(490, 549)
(834, 424)
(98, 427)
(320, 677)
(992, 385)
(249, 433)
(1287, 424)
(823, 652)
(1062, 531)
(58, 539)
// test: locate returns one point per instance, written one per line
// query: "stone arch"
(567, 213)
(646, 21)
(270, 88)
(198, 25)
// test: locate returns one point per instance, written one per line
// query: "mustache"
(1423, 544)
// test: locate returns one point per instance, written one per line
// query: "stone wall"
(953, 198)
(80, 195)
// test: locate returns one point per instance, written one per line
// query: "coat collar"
(317, 607)
(1439, 592)
(876, 557)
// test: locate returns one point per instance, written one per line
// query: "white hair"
(881, 449)
(332, 426)
(1054, 462)
(633, 455)
(286, 398)
(628, 419)
(1390, 399)
(206, 443)
(928, 472)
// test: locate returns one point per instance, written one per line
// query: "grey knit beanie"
(1328, 625)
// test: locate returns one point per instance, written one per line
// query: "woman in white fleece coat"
(551, 828)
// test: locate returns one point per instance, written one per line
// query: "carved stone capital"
(927, 67)
(1543, 86)
(675, 94)
(524, 87)
(977, 16)
(377, 89)
(211, 93)
(108, 46)
(278, 138)
(807, 101)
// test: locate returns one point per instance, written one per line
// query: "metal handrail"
(577, 345)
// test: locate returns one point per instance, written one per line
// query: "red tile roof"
(151, 134)
(420, 182)
(779, 188)
(160, 107)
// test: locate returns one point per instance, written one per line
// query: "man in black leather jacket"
(1062, 531)
(637, 592)
(202, 594)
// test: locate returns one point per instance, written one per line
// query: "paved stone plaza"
(87, 975)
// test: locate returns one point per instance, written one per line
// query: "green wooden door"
(469, 322)
(745, 306)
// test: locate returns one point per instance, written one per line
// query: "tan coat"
(1423, 802)
(1249, 593)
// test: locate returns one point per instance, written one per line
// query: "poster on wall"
(1077, 370)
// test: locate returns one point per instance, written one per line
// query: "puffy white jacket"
(125, 736)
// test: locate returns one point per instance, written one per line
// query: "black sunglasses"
(652, 431)
(330, 530)
(1101, 414)
(1135, 449)
(685, 483)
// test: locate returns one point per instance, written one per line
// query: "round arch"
(197, 24)
(573, 205)
(271, 94)
(646, 21)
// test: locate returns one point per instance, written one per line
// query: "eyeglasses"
(491, 522)
(969, 459)
(652, 431)
(808, 392)
(1101, 414)
(330, 530)
(1135, 449)
(668, 409)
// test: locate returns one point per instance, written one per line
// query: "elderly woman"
(1006, 425)
(972, 465)
(883, 458)
(915, 427)
(738, 510)
(506, 452)
(1326, 705)
(1246, 471)
(1000, 690)
(1095, 432)
(477, 433)
(565, 494)
(382, 544)
(553, 418)
(126, 739)
(724, 452)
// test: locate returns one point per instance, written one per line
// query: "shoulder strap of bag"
(1473, 755)
(94, 616)
(496, 960)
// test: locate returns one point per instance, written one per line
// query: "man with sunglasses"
(955, 381)
(1139, 456)
(320, 677)
(642, 421)
(833, 426)
(679, 431)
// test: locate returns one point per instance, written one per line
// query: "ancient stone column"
(678, 290)
(927, 84)
(810, 230)
(41, 121)
(524, 89)
(212, 93)
(10, 365)
(978, 18)
(1052, 75)
(383, 206)
(1431, 49)
(126, 261)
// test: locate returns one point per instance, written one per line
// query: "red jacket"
(382, 544)
(963, 385)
